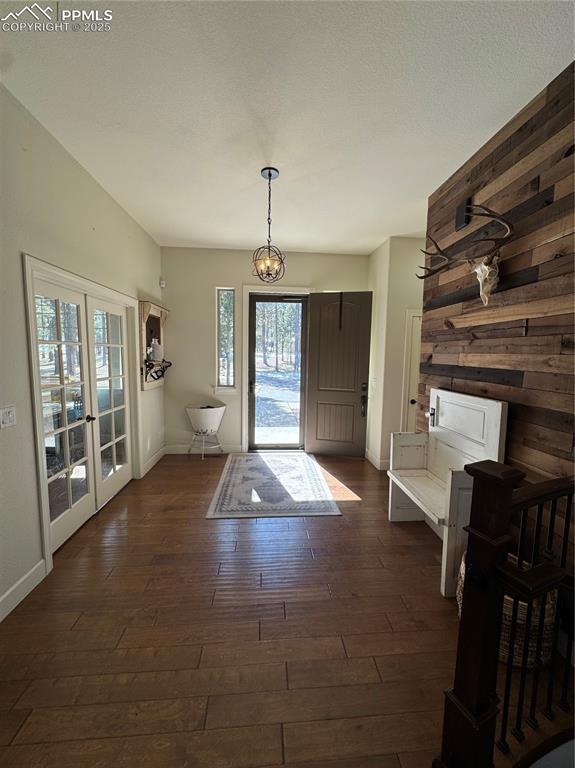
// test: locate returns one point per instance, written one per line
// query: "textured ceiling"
(365, 107)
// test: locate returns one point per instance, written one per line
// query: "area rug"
(272, 484)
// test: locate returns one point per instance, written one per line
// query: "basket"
(548, 622)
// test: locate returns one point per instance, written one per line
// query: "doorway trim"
(36, 269)
(279, 290)
(410, 315)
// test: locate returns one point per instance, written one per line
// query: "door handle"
(431, 416)
(412, 401)
(364, 405)
(90, 418)
(251, 387)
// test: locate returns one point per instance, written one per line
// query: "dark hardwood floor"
(162, 639)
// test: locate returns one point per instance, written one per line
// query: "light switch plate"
(8, 416)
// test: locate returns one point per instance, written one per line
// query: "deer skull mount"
(485, 266)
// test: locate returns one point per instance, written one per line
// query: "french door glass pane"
(49, 359)
(118, 392)
(106, 435)
(102, 366)
(74, 404)
(107, 459)
(120, 454)
(69, 321)
(52, 409)
(100, 326)
(77, 443)
(58, 496)
(115, 329)
(46, 319)
(116, 361)
(79, 481)
(103, 395)
(72, 365)
(54, 451)
(119, 423)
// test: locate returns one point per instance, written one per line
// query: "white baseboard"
(152, 461)
(23, 587)
(377, 461)
(184, 448)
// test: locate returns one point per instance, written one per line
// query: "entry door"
(338, 373)
(109, 383)
(61, 342)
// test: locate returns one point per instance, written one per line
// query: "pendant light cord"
(269, 208)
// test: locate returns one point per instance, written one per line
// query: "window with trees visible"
(226, 367)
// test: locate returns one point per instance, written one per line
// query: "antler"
(439, 253)
(482, 210)
(487, 258)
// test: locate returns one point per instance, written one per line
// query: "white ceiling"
(365, 107)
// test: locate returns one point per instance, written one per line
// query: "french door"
(80, 356)
(109, 384)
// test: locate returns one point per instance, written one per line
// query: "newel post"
(470, 706)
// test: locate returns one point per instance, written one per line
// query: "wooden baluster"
(548, 711)
(522, 534)
(471, 706)
(531, 718)
(548, 553)
(502, 741)
(537, 536)
(566, 526)
(566, 592)
(517, 729)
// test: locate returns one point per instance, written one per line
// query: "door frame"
(247, 291)
(36, 269)
(270, 298)
(410, 314)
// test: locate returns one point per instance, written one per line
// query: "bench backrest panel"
(464, 429)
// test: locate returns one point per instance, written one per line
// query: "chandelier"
(268, 260)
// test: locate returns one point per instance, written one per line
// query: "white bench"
(427, 480)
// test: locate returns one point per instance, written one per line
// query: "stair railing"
(535, 579)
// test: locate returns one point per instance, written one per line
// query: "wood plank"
(10, 723)
(323, 673)
(558, 305)
(360, 736)
(323, 704)
(107, 720)
(524, 362)
(231, 748)
(400, 642)
(232, 653)
(554, 401)
(142, 686)
(64, 664)
(415, 666)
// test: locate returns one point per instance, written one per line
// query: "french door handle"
(90, 418)
(364, 405)
(251, 387)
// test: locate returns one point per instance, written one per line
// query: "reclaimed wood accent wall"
(520, 347)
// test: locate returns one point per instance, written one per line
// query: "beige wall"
(51, 208)
(392, 270)
(192, 275)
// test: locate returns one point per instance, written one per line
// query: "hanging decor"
(268, 260)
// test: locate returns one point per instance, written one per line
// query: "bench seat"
(426, 470)
(425, 490)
